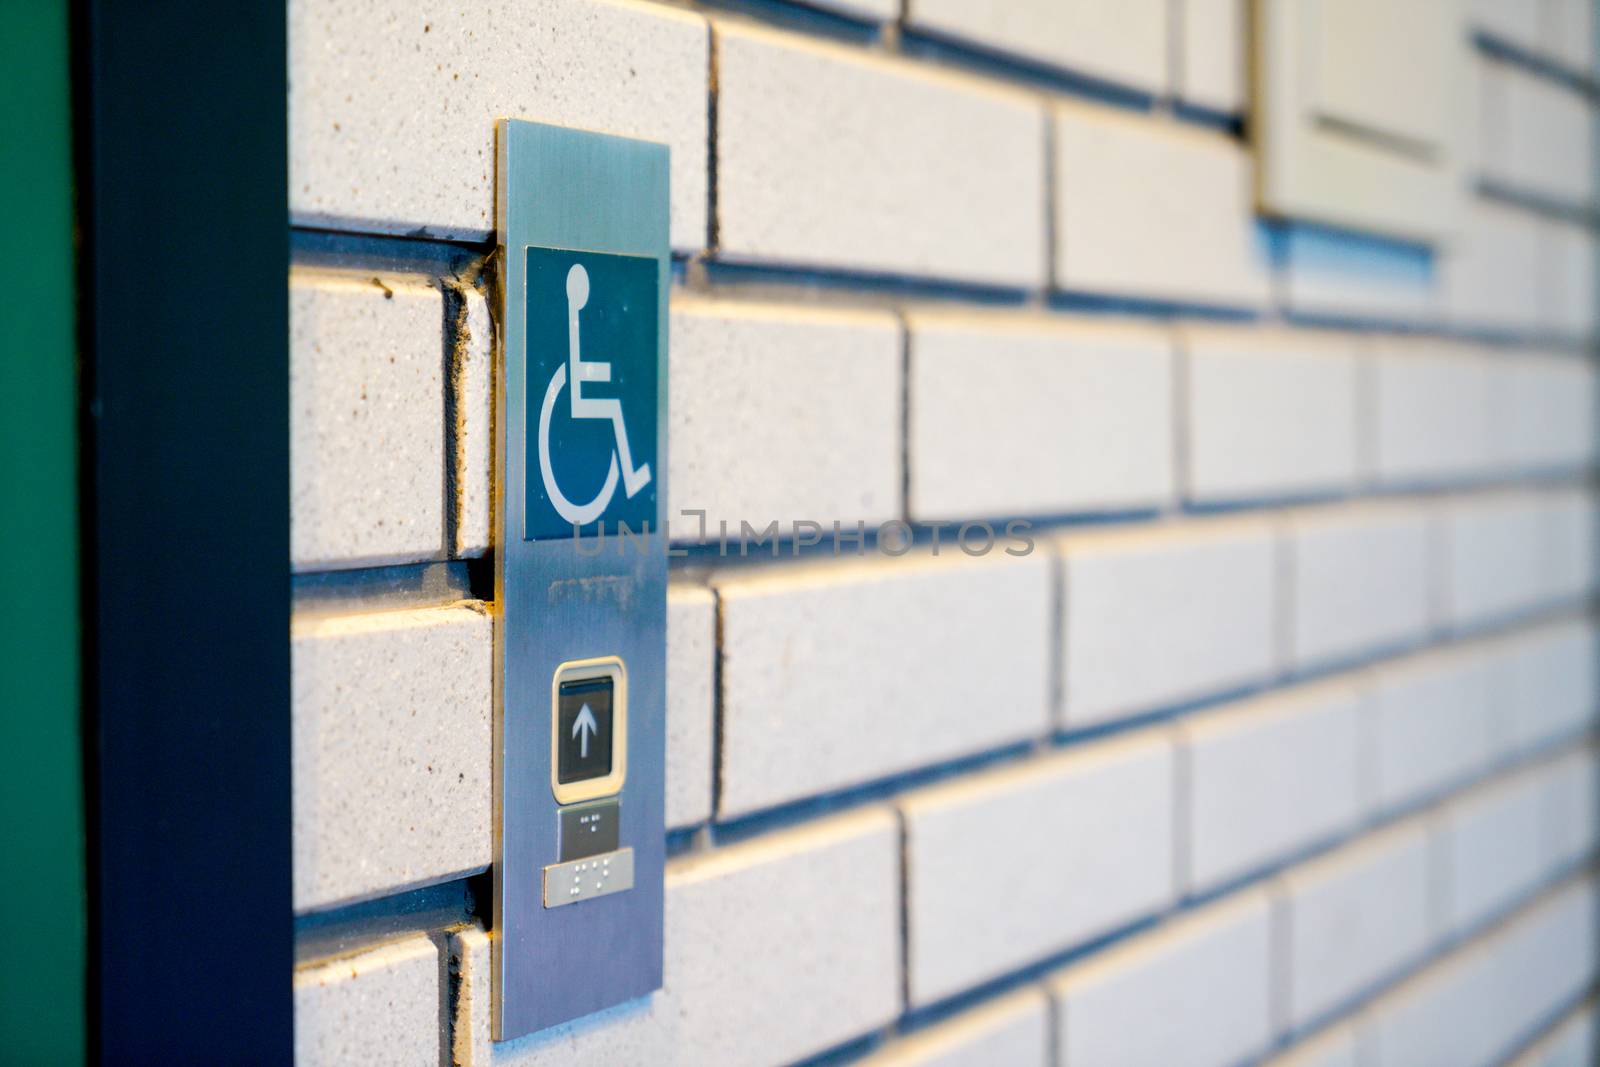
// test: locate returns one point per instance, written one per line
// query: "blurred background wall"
(1273, 326)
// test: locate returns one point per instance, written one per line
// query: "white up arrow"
(583, 727)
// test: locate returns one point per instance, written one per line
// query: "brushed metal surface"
(558, 601)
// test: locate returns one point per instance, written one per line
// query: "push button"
(588, 729)
(585, 730)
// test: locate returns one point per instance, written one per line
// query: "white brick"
(472, 385)
(1432, 405)
(1268, 413)
(1548, 411)
(1351, 919)
(1359, 581)
(1116, 40)
(1267, 777)
(1337, 1046)
(392, 114)
(1466, 1010)
(1490, 273)
(1009, 867)
(1543, 144)
(1569, 33)
(776, 949)
(691, 697)
(1013, 1030)
(1148, 208)
(1569, 280)
(1572, 1042)
(1552, 683)
(392, 751)
(1194, 991)
(1491, 849)
(366, 423)
(759, 433)
(1211, 53)
(838, 673)
(1160, 616)
(1431, 724)
(1494, 558)
(1033, 415)
(379, 1006)
(1571, 522)
(835, 157)
(1513, 21)
(1571, 819)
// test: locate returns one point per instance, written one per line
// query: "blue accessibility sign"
(592, 320)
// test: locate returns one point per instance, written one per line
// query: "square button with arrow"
(584, 730)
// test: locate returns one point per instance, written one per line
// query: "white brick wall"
(1204, 977)
(805, 919)
(956, 811)
(1267, 414)
(392, 748)
(392, 112)
(1116, 40)
(876, 165)
(757, 433)
(1349, 919)
(1432, 412)
(838, 673)
(1005, 868)
(366, 420)
(1091, 431)
(1156, 617)
(1358, 581)
(1431, 722)
(378, 1006)
(1013, 1030)
(1153, 209)
(1267, 777)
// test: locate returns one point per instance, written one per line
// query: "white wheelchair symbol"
(581, 370)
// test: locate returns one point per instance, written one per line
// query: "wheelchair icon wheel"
(577, 514)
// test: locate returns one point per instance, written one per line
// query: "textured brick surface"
(1358, 581)
(757, 428)
(1552, 682)
(1267, 777)
(1005, 868)
(1212, 51)
(804, 920)
(1122, 41)
(1538, 137)
(1032, 415)
(1107, 1009)
(1490, 274)
(366, 420)
(392, 111)
(1496, 562)
(1432, 722)
(1013, 1030)
(831, 157)
(1432, 412)
(1153, 209)
(1547, 411)
(392, 757)
(378, 1006)
(838, 673)
(472, 389)
(1161, 616)
(1351, 919)
(1268, 413)
(1490, 849)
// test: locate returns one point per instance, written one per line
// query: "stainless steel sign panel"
(580, 572)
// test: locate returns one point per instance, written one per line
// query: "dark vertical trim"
(41, 797)
(183, 172)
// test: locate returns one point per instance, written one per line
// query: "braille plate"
(585, 879)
